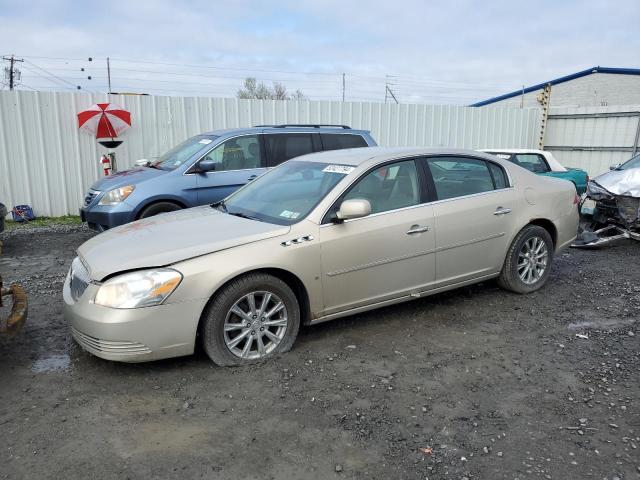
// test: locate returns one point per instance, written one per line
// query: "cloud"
(439, 51)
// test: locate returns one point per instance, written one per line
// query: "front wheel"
(528, 262)
(158, 208)
(254, 317)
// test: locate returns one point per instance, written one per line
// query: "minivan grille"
(79, 278)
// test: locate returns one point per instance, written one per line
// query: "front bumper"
(104, 217)
(132, 335)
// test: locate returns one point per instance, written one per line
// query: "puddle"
(51, 364)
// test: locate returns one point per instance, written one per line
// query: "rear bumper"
(101, 218)
(132, 335)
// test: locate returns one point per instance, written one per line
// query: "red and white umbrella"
(104, 120)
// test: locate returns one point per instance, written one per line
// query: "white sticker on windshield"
(289, 214)
(503, 156)
(343, 169)
(205, 141)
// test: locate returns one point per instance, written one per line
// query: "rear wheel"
(160, 207)
(252, 318)
(528, 262)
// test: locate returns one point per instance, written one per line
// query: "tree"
(254, 90)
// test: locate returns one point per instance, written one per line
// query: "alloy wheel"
(532, 260)
(255, 325)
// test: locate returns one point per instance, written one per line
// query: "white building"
(597, 86)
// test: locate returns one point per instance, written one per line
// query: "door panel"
(372, 259)
(471, 241)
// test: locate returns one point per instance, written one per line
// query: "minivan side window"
(239, 153)
(339, 141)
(284, 146)
(459, 176)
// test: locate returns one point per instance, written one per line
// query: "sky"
(430, 51)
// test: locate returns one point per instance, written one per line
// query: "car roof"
(288, 129)
(374, 155)
(512, 150)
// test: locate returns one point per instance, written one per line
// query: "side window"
(339, 141)
(389, 187)
(238, 153)
(499, 177)
(459, 176)
(532, 162)
(284, 146)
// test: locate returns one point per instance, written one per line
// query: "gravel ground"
(476, 383)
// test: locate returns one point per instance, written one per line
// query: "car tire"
(523, 271)
(222, 325)
(158, 208)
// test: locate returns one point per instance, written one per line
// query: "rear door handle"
(502, 211)
(417, 229)
(252, 177)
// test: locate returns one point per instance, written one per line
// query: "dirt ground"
(477, 383)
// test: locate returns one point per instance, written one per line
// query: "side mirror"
(206, 165)
(354, 208)
(614, 167)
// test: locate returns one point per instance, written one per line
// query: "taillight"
(576, 199)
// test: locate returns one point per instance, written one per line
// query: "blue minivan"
(206, 168)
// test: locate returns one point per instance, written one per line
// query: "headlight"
(117, 195)
(138, 289)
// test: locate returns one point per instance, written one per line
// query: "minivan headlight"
(117, 195)
(144, 288)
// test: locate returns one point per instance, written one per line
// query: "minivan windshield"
(183, 152)
(286, 194)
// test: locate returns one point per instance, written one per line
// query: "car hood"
(621, 182)
(127, 177)
(170, 238)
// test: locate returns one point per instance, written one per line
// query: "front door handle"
(252, 177)
(502, 211)
(417, 229)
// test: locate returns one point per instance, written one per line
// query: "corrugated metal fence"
(47, 163)
(593, 138)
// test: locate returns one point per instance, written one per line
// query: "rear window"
(337, 141)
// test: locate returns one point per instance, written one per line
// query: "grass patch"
(44, 222)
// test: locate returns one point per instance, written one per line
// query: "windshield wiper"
(241, 215)
(220, 206)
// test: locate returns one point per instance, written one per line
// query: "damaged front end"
(616, 214)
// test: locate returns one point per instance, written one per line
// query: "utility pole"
(544, 98)
(109, 74)
(12, 72)
(343, 86)
(387, 90)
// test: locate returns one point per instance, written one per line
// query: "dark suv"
(207, 168)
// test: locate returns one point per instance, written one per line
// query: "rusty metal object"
(19, 308)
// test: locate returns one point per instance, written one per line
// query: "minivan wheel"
(528, 262)
(252, 318)
(158, 208)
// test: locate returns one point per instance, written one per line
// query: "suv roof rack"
(310, 125)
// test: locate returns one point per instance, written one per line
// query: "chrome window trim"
(435, 202)
(415, 157)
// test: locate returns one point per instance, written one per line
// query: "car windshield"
(633, 163)
(286, 194)
(183, 152)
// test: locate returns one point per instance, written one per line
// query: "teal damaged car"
(543, 163)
